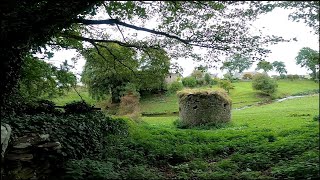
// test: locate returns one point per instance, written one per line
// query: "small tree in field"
(226, 85)
(264, 83)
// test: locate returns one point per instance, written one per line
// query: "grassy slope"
(73, 96)
(241, 95)
(278, 140)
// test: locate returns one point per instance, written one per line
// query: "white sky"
(274, 23)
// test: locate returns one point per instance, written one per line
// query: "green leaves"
(308, 58)
(40, 79)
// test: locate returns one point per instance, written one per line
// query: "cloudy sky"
(275, 22)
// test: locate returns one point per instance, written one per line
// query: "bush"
(201, 82)
(207, 78)
(247, 76)
(78, 107)
(215, 81)
(189, 82)
(264, 83)
(81, 135)
(175, 86)
(293, 77)
(226, 85)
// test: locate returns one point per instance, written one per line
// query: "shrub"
(189, 82)
(37, 107)
(77, 107)
(264, 83)
(215, 81)
(292, 77)
(226, 85)
(81, 135)
(247, 76)
(175, 86)
(201, 82)
(207, 78)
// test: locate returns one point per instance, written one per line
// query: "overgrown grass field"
(273, 141)
(279, 140)
(242, 95)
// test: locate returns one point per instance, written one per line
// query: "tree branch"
(107, 41)
(116, 21)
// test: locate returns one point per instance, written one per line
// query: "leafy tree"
(236, 63)
(306, 11)
(114, 66)
(308, 58)
(197, 74)
(182, 26)
(280, 67)
(265, 66)
(40, 79)
(264, 83)
(226, 85)
(202, 68)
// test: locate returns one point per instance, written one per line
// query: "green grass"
(73, 96)
(273, 141)
(242, 95)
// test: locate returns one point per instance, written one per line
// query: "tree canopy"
(111, 68)
(182, 29)
(309, 59)
(265, 66)
(236, 63)
(280, 67)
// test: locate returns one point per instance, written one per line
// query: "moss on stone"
(204, 106)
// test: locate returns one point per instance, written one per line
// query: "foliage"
(77, 107)
(309, 59)
(198, 74)
(208, 79)
(226, 85)
(40, 79)
(264, 83)
(201, 82)
(189, 82)
(280, 67)
(236, 63)
(298, 166)
(264, 65)
(175, 86)
(90, 169)
(247, 76)
(306, 11)
(292, 77)
(81, 135)
(105, 72)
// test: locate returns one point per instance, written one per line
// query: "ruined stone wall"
(204, 107)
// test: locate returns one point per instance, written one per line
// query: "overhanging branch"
(107, 41)
(117, 22)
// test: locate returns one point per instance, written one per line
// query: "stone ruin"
(204, 107)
